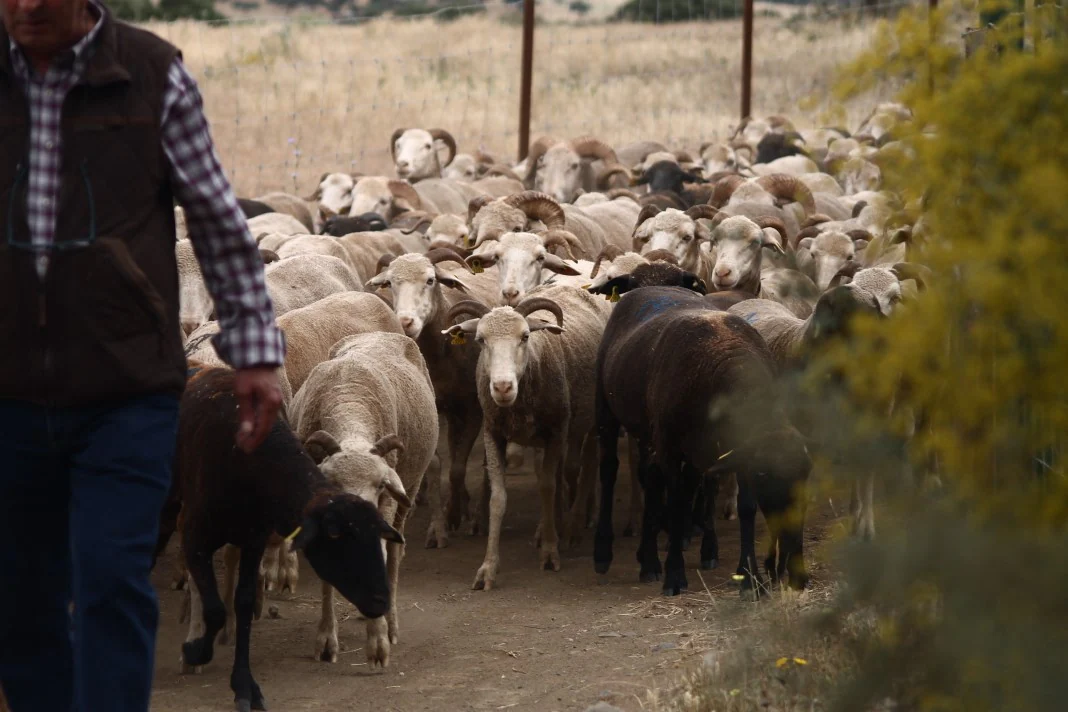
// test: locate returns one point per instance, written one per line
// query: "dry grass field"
(291, 98)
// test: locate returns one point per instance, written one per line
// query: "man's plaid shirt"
(228, 256)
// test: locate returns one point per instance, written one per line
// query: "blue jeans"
(80, 496)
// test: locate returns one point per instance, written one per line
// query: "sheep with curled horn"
(535, 388)
(678, 232)
(562, 169)
(594, 226)
(525, 260)
(779, 196)
(422, 292)
(415, 153)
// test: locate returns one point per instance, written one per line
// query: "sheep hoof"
(601, 567)
(187, 669)
(243, 705)
(649, 576)
(197, 652)
(709, 564)
(326, 648)
(484, 579)
(550, 559)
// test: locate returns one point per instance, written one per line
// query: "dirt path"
(542, 641)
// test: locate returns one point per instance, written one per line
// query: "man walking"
(101, 129)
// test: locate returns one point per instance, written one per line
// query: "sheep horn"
(845, 274)
(662, 256)
(560, 238)
(611, 170)
(393, 143)
(683, 157)
(477, 204)
(787, 187)
(446, 138)
(610, 253)
(318, 192)
(861, 204)
(911, 270)
(383, 262)
(590, 147)
(446, 254)
(387, 445)
(860, 234)
(698, 212)
(623, 193)
(724, 189)
(539, 206)
(424, 221)
(405, 191)
(647, 212)
(537, 150)
(483, 157)
(817, 219)
(811, 231)
(533, 304)
(775, 224)
(467, 306)
(498, 169)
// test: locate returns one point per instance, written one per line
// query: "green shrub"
(663, 11)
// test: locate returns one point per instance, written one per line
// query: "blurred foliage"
(959, 603)
(663, 11)
(144, 10)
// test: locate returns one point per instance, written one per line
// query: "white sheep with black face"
(416, 153)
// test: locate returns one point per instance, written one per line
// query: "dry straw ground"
(290, 99)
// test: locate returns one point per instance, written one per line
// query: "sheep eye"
(427, 146)
(479, 340)
(387, 284)
(541, 258)
(526, 337)
(517, 229)
(574, 166)
(430, 282)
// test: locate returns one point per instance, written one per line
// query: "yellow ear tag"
(293, 535)
(458, 338)
(614, 296)
(476, 266)
(467, 242)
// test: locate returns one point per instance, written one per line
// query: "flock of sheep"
(586, 293)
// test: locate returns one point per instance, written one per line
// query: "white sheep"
(367, 417)
(416, 153)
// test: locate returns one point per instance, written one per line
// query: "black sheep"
(696, 387)
(668, 177)
(779, 145)
(341, 225)
(229, 497)
(252, 208)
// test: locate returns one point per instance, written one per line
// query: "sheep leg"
(498, 500)
(200, 650)
(270, 568)
(393, 562)
(634, 514)
(863, 503)
(549, 471)
(784, 510)
(608, 441)
(587, 465)
(231, 561)
(437, 533)
(326, 646)
(194, 614)
(647, 555)
(747, 509)
(682, 480)
(381, 630)
(247, 694)
(730, 496)
(462, 435)
(288, 568)
(709, 542)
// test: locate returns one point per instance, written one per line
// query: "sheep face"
(413, 281)
(371, 195)
(622, 265)
(504, 338)
(829, 251)
(416, 155)
(559, 173)
(450, 230)
(737, 242)
(497, 219)
(364, 474)
(882, 284)
(520, 259)
(341, 537)
(674, 231)
(719, 157)
(463, 168)
(751, 193)
(335, 194)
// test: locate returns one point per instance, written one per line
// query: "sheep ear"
(379, 280)
(771, 239)
(554, 263)
(395, 488)
(539, 325)
(695, 283)
(615, 286)
(268, 256)
(480, 261)
(389, 533)
(321, 445)
(860, 245)
(450, 282)
(806, 244)
(305, 534)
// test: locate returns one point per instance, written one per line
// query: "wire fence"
(291, 98)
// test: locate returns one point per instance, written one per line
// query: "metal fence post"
(747, 59)
(527, 78)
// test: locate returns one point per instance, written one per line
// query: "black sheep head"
(656, 274)
(341, 536)
(668, 176)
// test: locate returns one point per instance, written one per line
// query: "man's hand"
(259, 396)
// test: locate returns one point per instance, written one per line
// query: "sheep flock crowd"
(466, 314)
